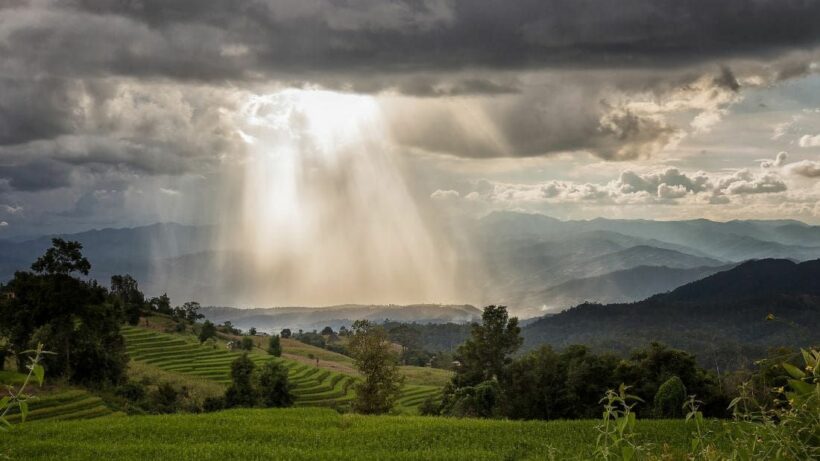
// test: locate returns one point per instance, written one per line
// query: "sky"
(120, 113)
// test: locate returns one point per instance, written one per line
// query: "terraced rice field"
(65, 405)
(312, 386)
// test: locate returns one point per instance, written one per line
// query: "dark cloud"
(258, 39)
(36, 175)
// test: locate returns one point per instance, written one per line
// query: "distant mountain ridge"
(721, 318)
(274, 319)
(530, 262)
(533, 259)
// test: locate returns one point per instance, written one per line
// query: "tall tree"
(488, 351)
(275, 346)
(72, 317)
(273, 386)
(241, 392)
(207, 331)
(64, 257)
(125, 290)
(372, 355)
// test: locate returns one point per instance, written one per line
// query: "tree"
(327, 331)
(77, 318)
(64, 257)
(370, 348)
(241, 392)
(273, 386)
(286, 333)
(125, 290)
(407, 337)
(252, 331)
(190, 311)
(670, 398)
(274, 346)
(162, 304)
(488, 351)
(208, 331)
(246, 344)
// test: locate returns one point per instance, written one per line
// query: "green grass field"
(313, 386)
(320, 434)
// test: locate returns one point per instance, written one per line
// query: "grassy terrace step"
(312, 386)
(73, 404)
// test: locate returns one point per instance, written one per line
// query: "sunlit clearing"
(325, 215)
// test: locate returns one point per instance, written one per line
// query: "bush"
(241, 392)
(246, 344)
(275, 346)
(429, 407)
(480, 401)
(165, 398)
(273, 386)
(670, 398)
(211, 404)
(132, 391)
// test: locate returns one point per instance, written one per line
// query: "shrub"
(428, 407)
(669, 399)
(207, 331)
(246, 344)
(275, 346)
(131, 391)
(165, 398)
(273, 386)
(241, 392)
(211, 404)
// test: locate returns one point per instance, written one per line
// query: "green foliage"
(67, 314)
(286, 333)
(241, 392)
(63, 258)
(617, 436)
(788, 430)
(273, 386)
(207, 331)
(372, 356)
(481, 401)
(125, 290)
(488, 351)
(323, 434)
(670, 399)
(275, 346)
(17, 398)
(246, 344)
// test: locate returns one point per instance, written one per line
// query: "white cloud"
(11, 209)
(804, 168)
(809, 141)
(778, 162)
(3, 224)
(444, 195)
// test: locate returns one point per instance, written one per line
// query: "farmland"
(318, 434)
(313, 386)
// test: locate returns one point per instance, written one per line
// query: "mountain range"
(724, 319)
(273, 320)
(532, 263)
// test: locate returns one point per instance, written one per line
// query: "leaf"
(627, 452)
(4, 402)
(801, 387)
(39, 373)
(793, 371)
(23, 410)
(695, 443)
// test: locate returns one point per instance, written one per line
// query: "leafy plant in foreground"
(617, 438)
(18, 398)
(790, 430)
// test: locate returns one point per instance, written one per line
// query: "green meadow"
(321, 434)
